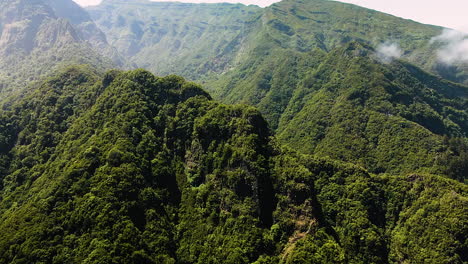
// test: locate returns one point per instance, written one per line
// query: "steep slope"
(86, 27)
(37, 37)
(383, 116)
(123, 153)
(311, 68)
(199, 41)
(355, 105)
(292, 36)
(132, 168)
(188, 39)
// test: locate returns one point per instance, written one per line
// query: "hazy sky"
(447, 13)
(261, 3)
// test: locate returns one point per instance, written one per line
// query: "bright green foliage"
(126, 167)
(418, 227)
(349, 105)
(132, 168)
(124, 177)
(312, 69)
(360, 218)
(297, 61)
(384, 117)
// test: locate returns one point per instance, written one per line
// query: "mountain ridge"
(308, 23)
(38, 37)
(129, 167)
(332, 151)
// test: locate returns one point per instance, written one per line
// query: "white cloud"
(387, 52)
(454, 46)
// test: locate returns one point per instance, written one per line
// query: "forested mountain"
(337, 135)
(386, 117)
(190, 39)
(38, 37)
(200, 41)
(329, 77)
(133, 168)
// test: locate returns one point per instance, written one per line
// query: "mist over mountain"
(320, 132)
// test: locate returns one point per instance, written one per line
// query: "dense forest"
(314, 71)
(292, 137)
(133, 168)
(386, 117)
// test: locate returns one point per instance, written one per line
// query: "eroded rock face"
(37, 36)
(83, 24)
(57, 32)
(20, 22)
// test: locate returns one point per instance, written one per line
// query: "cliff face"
(38, 36)
(21, 21)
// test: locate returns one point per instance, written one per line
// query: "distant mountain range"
(196, 40)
